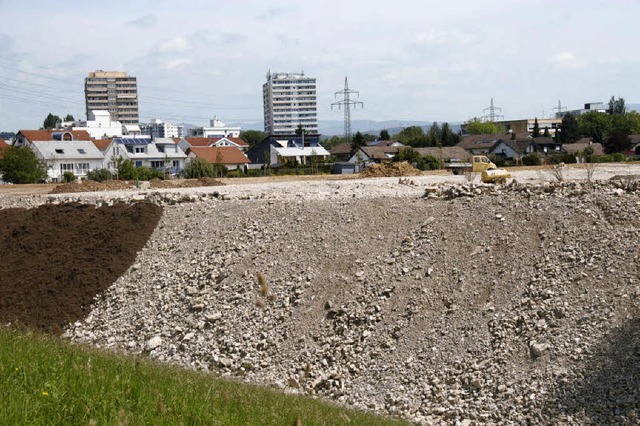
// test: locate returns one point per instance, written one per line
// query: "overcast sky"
(411, 60)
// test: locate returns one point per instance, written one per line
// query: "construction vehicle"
(490, 173)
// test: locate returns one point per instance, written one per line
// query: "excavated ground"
(470, 305)
(57, 258)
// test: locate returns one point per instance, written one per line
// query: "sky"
(410, 60)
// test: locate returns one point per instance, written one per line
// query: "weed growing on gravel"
(264, 287)
(48, 381)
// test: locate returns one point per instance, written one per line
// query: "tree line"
(612, 129)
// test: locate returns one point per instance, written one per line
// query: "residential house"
(27, 137)
(280, 150)
(368, 155)
(186, 143)
(161, 154)
(341, 151)
(385, 143)
(229, 156)
(511, 149)
(480, 144)
(62, 156)
(216, 129)
(3, 147)
(578, 148)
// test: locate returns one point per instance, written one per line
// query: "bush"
(68, 177)
(199, 168)
(126, 170)
(147, 173)
(20, 165)
(600, 159)
(531, 160)
(562, 158)
(99, 175)
(429, 162)
(618, 157)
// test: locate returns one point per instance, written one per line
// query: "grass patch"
(49, 381)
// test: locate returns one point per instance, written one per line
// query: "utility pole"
(560, 109)
(492, 112)
(347, 103)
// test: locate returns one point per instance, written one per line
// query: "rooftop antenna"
(492, 112)
(347, 103)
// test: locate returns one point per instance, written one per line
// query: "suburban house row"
(76, 151)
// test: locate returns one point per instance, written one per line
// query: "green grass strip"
(47, 381)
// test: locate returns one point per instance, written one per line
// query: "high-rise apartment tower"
(113, 91)
(289, 101)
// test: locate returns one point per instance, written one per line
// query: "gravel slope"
(473, 304)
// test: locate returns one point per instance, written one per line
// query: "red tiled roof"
(3, 143)
(212, 141)
(45, 135)
(3, 147)
(102, 144)
(219, 155)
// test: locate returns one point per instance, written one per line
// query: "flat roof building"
(290, 100)
(112, 91)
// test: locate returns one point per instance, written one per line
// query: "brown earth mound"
(57, 258)
(390, 170)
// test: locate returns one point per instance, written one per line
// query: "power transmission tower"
(560, 109)
(347, 103)
(492, 112)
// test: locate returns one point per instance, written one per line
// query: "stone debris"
(477, 304)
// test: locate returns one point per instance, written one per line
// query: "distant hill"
(330, 128)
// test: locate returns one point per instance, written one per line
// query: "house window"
(59, 151)
(176, 163)
(139, 150)
(138, 163)
(157, 164)
(66, 167)
(81, 151)
(82, 167)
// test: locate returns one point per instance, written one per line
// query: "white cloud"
(175, 63)
(566, 60)
(147, 21)
(176, 44)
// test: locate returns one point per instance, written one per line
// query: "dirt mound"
(390, 170)
(56, 258)
(115, 185)
(93, 186)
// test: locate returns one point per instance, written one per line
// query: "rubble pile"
(395, 169)
(473, 304)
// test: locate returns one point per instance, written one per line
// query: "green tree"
(50, 121)
(535, 133)
(69, 117)
(569, 129)
(252, 137)
(633, 119)
(357, 142)
(299, 130)
(199, 168)
(617, 141)
(595, 125)
(616, 106)
(384, 135)
(20, 165)
(412, 136)
(126, 169)
(546, 133)
(475, 126)
(447, 136)
(433, 135)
